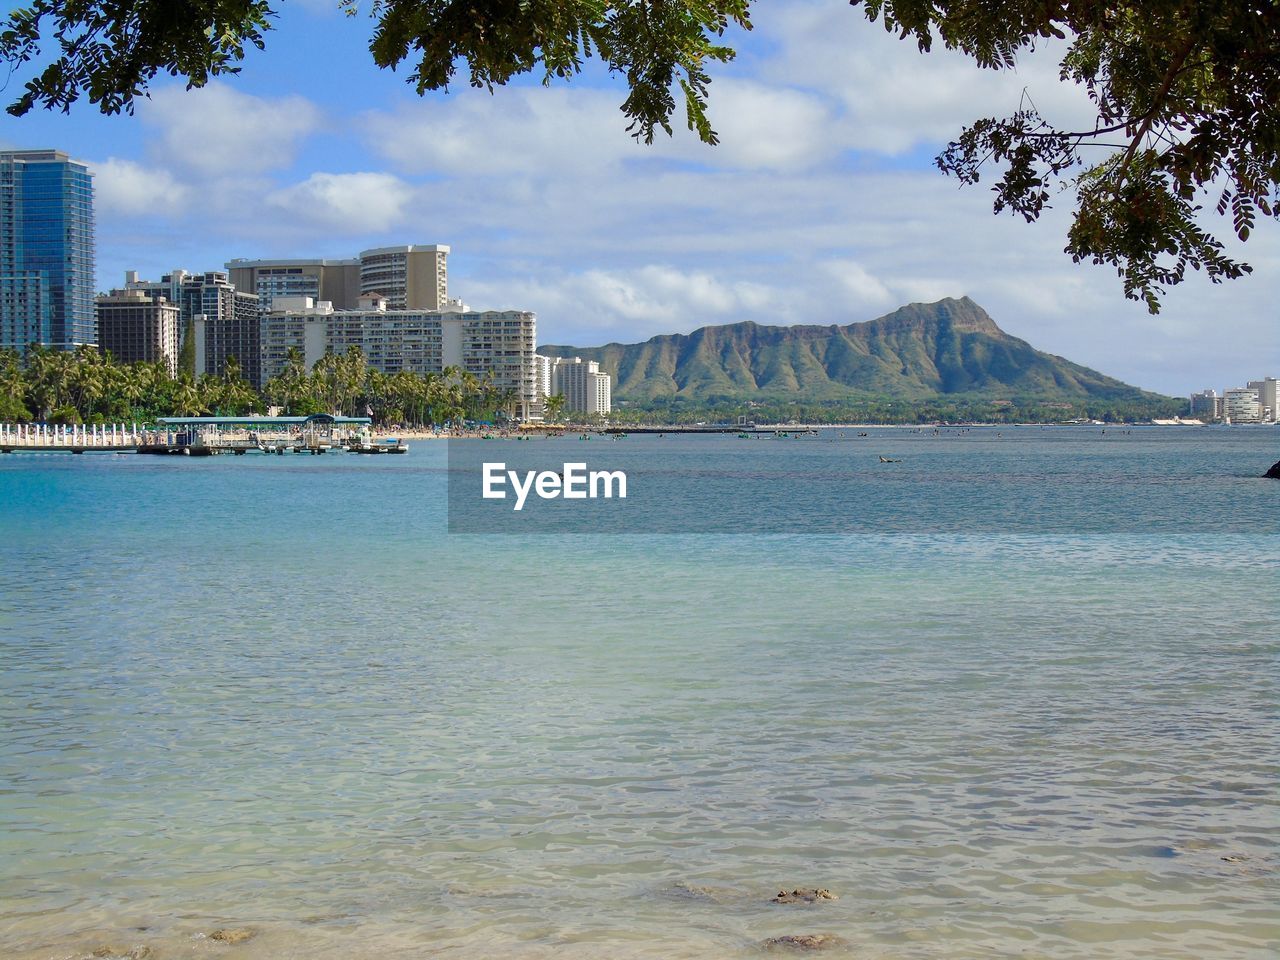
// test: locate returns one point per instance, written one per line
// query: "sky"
(821, 205)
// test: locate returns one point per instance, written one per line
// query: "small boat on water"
(889, 460)
(363, 442)
(382, 446)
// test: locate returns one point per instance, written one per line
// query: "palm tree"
(188, 399)
(507, 398)
(555, 406)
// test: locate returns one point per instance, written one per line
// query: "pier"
(203, 437)
(70, 437)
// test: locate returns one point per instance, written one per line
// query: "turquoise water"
(274, 694)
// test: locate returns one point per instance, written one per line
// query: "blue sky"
(821, 205)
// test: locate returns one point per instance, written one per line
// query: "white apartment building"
(495, 343)
(1240, 405)
(585, 387)
(542, 376)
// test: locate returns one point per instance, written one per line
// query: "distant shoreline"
(543, 430)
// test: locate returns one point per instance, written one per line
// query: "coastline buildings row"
(392, 302)
(147, 320)
(1256, 402)
(224, 311)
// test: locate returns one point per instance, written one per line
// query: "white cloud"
(579, 129)
(351, 203)
(592, 306)
(894, 97)
(760, 127)
(129, 189)
(853, 279)
(218, 131)
(515, 131)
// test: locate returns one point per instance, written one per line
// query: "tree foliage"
(658, 46)
(86, 386)
(1187, 96)
(1187, 92)
(111, 50)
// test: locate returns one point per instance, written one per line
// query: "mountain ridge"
(920, 350)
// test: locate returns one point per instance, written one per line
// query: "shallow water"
(273, 693)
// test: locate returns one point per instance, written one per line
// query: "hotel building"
(1240, 405)
(226, 325)
(1266, 391)
(414, 277)
(585, 387)
(495, 343)
(46, 250)
(1206, 405)
(337, 281)
(135, 326)
(223, 320)
(410, 277)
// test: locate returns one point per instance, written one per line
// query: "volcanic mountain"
(917, 351)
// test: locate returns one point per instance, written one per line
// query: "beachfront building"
(409, 277)
(1266, 391)
(225, 324)
(46, 250)
(542, 376)
(586, 388)
(135, 326)
(1240, 405)
(498, 344)
(222, 320)
(1206, 405)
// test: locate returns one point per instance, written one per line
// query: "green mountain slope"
(920, 350)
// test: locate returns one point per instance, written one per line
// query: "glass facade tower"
(46, 250)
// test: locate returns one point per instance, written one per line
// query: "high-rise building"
(337, 281)
(542, 376)
(1206, 405)
(1266, 391)
(494, 344)
(1240, 405)
(168, 286)
(46, 250)
(413, 277)
(134, 326)
(225, 323)
(585, 387)
(410, 277)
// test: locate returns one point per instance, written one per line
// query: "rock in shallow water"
(111, 953)
(805, 941)
(1274, 472)
(804, 896)
(232, 935)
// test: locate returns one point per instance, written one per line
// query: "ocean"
(1013, 696)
